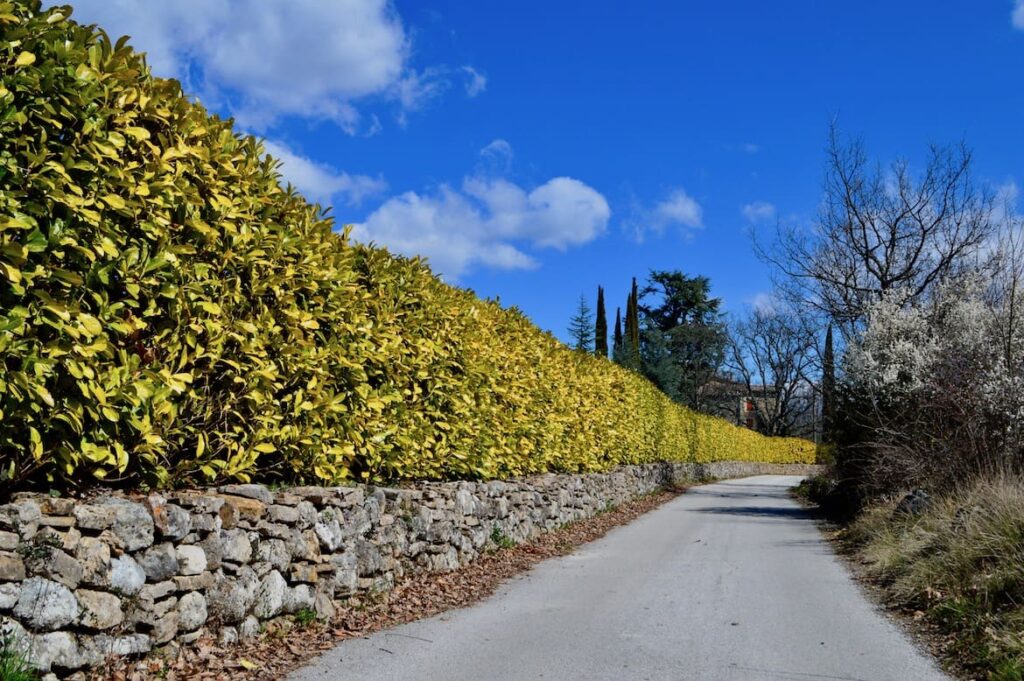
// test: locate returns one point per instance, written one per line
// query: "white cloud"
(1018, 15)
(487, 222)
(264, 59)
(476, 82)
(680, 209)
(759, 212)
(320, 182)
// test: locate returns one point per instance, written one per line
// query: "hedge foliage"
(170, 314)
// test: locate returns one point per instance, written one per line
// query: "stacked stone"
(84, 579)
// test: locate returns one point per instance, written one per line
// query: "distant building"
(731, 400)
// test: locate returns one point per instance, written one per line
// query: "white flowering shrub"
(896, 350)
(938, 384)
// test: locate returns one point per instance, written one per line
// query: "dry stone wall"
(81, 580)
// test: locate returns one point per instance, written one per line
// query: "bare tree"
(772, 351)
(882, 230)
(1007, 289)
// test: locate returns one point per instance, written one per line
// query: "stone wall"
(84, 579)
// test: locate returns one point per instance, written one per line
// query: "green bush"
(169, 312)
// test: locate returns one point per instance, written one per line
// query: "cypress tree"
(633, 339)
(601, 326)
(628, 339)
(617, 335)
(828, 388)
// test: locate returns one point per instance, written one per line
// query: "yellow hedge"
(170, 313)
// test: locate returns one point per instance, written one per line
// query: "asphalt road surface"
(728, 582)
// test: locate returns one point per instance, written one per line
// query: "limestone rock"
(58, 566)
(100, 610)
(170, 520)
(12, 568)
(298, 598)
(191, 611)
(9, 540)
(9, 595)
(283, 514)
(45, 605)
(126, 576)
(328, 530)
(270, 596)
(94, 556)
(200, 582)
(249, 628)
(235, 546)
(130, 522)
(105, 645)
(21, 517)
(56, 649)
(304, 545)
(368, 560)
(191, 560)
(323, 604)
(159, 562)
(275, 552)
(307, 515)
(232, 597)
(165, 628)
(258, 492)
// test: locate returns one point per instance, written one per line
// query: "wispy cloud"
(1017, 18)
(677, 209)
(763, 301)
(496, 157)
(759, 212)
(476, 82)
(1005, 204)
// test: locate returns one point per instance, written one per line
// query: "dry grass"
(961, 565)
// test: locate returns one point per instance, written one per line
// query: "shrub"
(170, 312)
(933, 392)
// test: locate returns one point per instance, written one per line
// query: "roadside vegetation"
(921, 275)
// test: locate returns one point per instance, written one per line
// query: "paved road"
(729, 582)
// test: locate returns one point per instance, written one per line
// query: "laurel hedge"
(170, 314)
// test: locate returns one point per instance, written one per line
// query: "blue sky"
(534, 150)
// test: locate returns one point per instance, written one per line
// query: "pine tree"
(581, 326)
(601, 326)
(828, 389)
